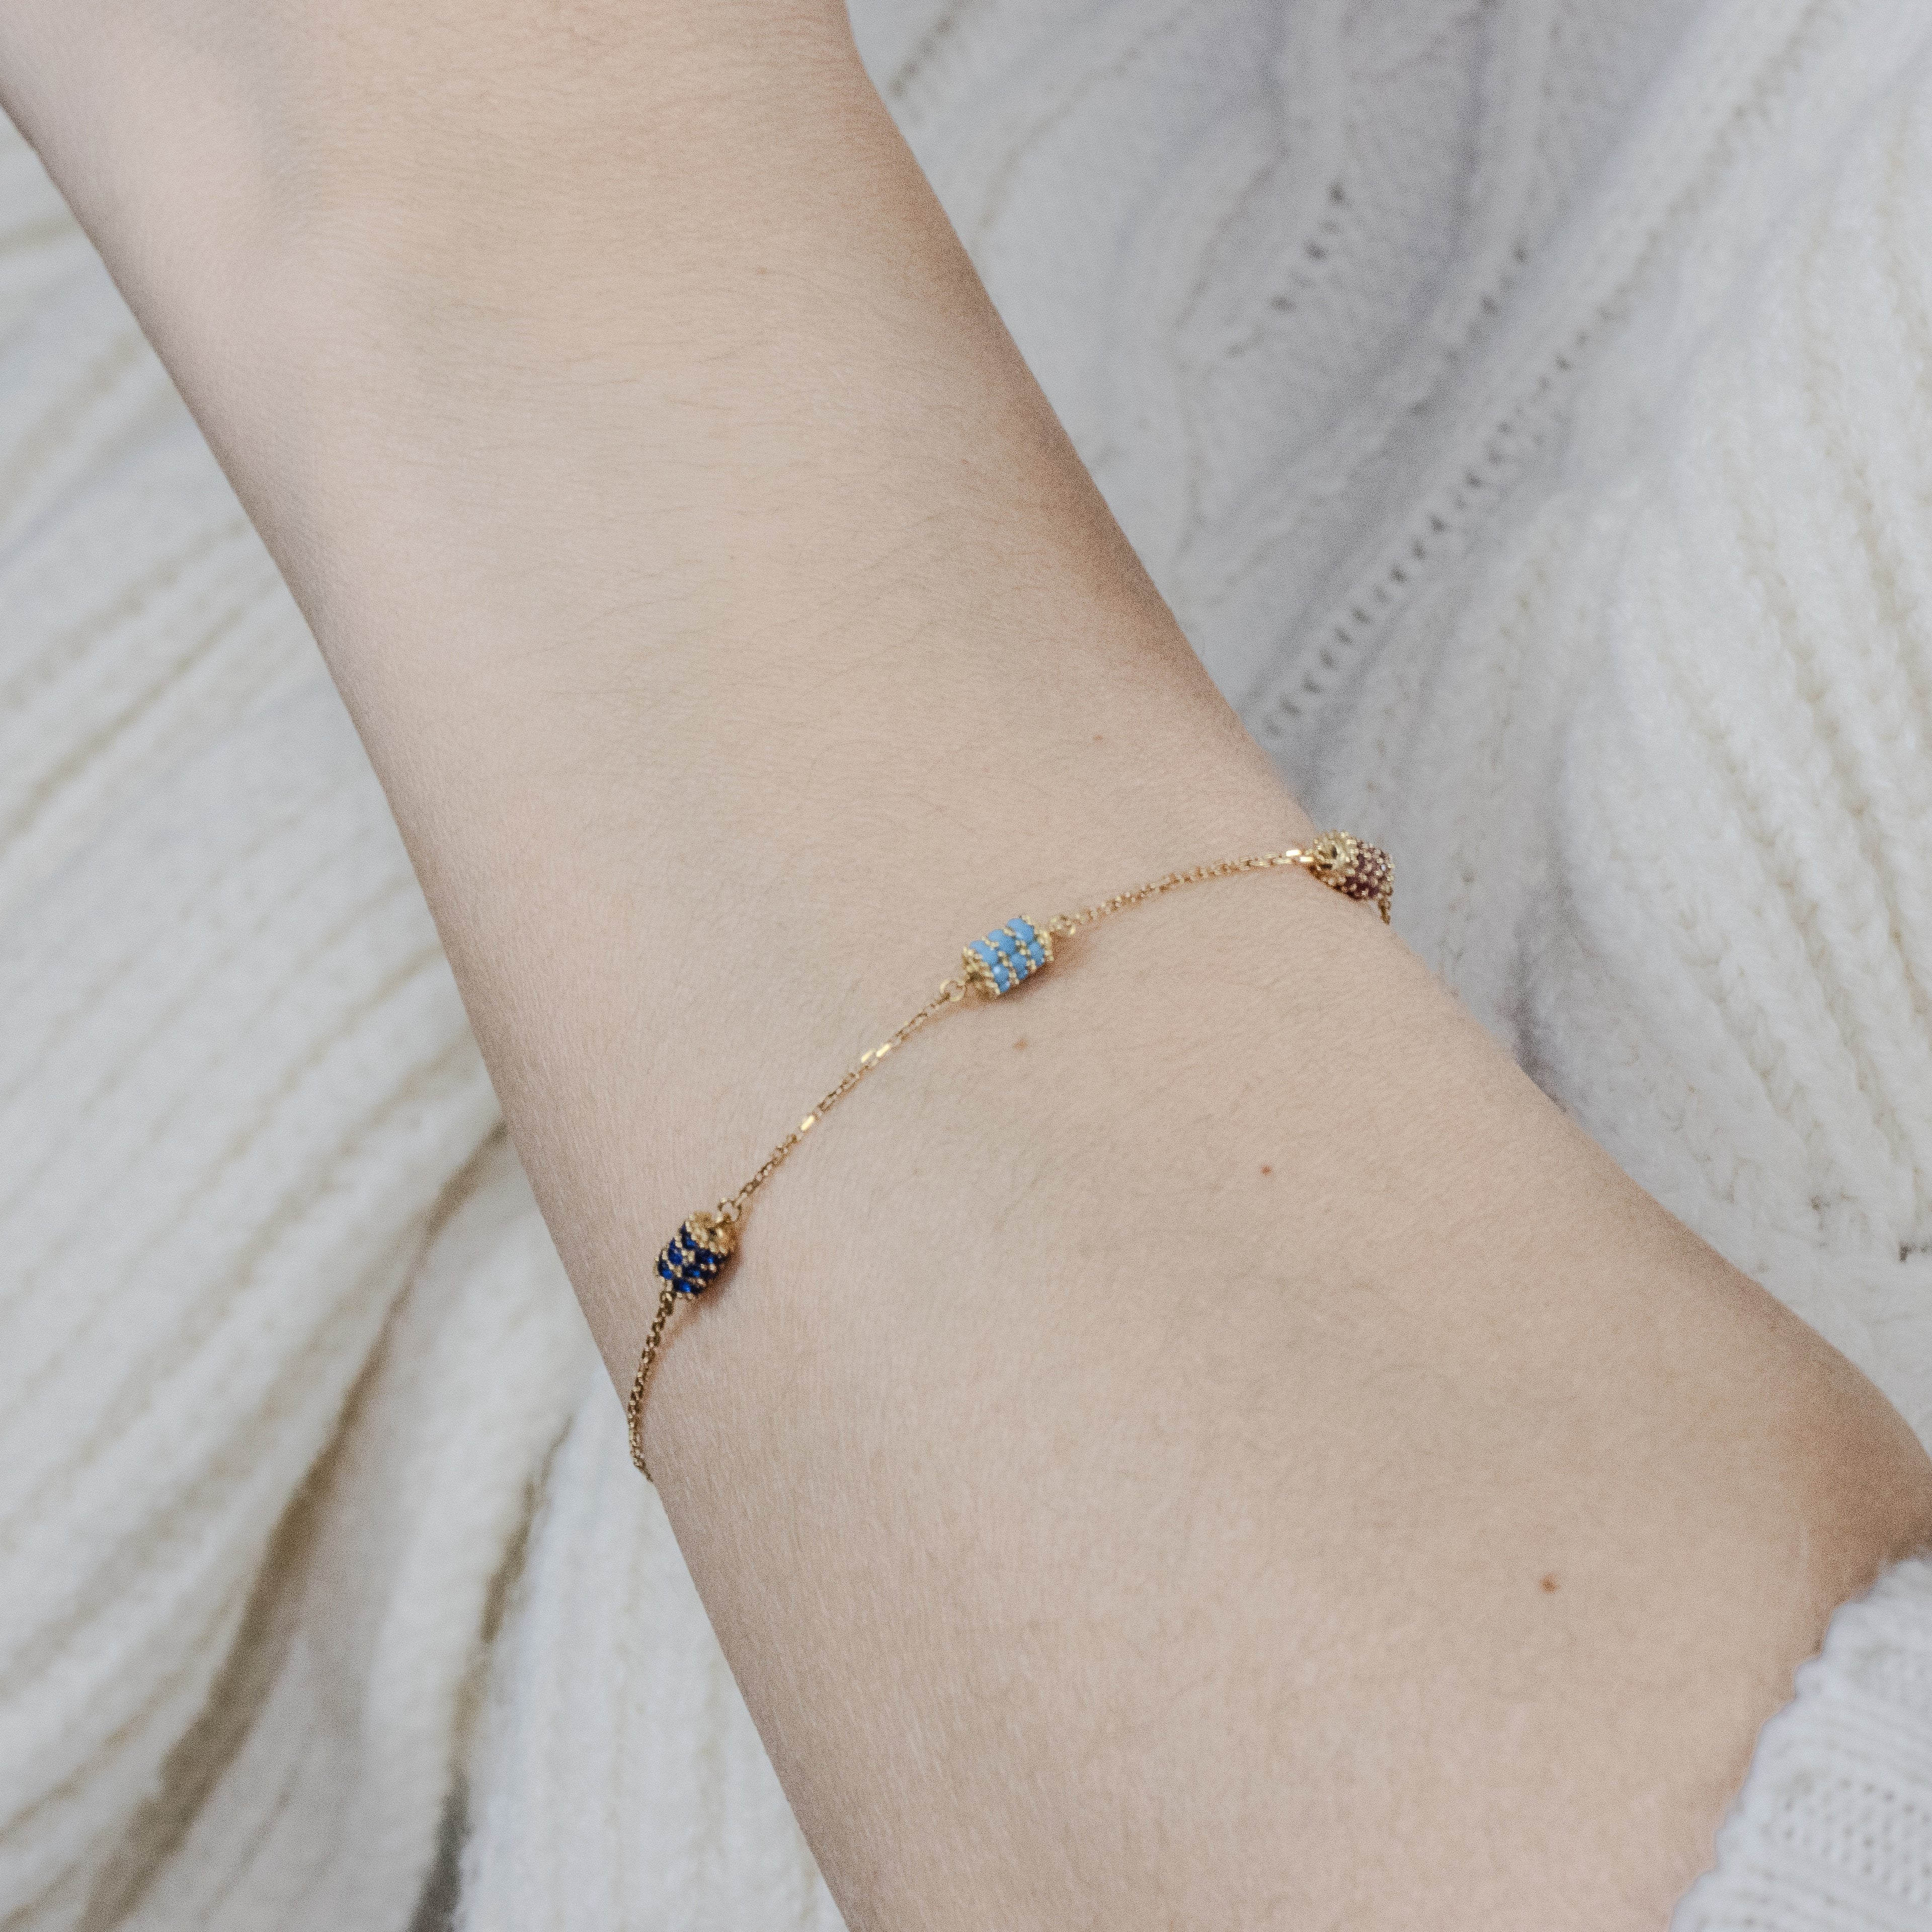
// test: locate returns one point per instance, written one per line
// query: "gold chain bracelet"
(1007, 957)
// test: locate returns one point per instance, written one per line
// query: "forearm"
(710, 502)
(1105, 1528)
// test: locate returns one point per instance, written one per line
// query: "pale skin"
(1104, 1530)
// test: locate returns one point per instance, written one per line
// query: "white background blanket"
(1526, 406)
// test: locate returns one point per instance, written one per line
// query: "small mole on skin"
(1268, 1170)
(1020, 1042)
(1550, 1583)
(1097, 737)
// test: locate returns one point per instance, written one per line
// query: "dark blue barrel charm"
(1007, 955)
(694, 1255)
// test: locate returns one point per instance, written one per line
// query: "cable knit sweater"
(1527, 406)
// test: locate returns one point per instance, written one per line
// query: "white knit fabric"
(1527, 406)
(1834, 1830)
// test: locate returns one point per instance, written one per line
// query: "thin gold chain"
(1222, 868)
(634, 1409)
(950, 992)
(725, 1217)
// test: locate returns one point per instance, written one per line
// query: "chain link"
(951, 992)
(1067, 923)
(634, 1409)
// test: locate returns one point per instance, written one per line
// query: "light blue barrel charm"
(1007, 955)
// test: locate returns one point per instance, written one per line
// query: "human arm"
(658, 584)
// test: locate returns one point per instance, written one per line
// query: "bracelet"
(1009, 956)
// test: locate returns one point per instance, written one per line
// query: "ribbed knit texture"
(1526, 405)
(1835, 1827)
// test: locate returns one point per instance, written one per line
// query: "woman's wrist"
(735, 632)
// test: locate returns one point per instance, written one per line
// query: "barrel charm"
(1007, 955)
(1353, 867)
(694, 1255)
